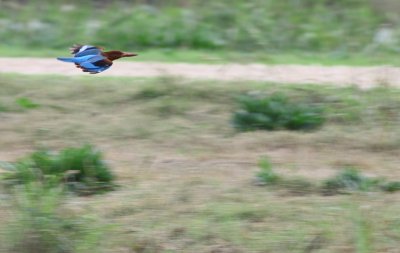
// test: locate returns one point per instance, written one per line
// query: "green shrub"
(87, 161)
(266, 174)
(276, 112)
(82, 169)
(391, 186)
(349, 180)
(38, 224)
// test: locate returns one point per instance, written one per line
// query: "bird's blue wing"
(92, 51)
(83, 50)
(95, 64)
(78, 60)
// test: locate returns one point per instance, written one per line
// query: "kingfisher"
(93, 59)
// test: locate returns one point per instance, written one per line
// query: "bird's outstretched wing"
(95, 64)
(83, 50)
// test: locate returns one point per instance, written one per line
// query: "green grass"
(187, 178)
(276, 112)
(285, 32)
(363, 231)
(266, 174)
(350, 179)
(38, 224)
(347, 181)
(26, 103)
(341, 27)
(223, 56)
(80, 169)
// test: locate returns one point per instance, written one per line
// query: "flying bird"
(93, 59)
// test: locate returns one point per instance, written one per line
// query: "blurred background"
(336, 29)
(268, 126)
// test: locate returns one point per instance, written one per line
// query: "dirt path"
(364, 77)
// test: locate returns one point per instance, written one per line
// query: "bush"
(37, 224)
(391, 186)
(348, 180)
(276, 112)
(82, 169)
(267, 175)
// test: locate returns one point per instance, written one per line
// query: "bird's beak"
(128, 54)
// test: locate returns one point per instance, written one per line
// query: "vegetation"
(222, 56)
(37, 224)
(363, 228)
(336, 29)
(392, 186)
(26, 103)
(295, 186)
(185, 175)
(188, 165)
(266, 174)
(276, 112)
(346, 181)
(350, 180)
(82, 169)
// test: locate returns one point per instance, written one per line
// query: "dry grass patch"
(186, 176)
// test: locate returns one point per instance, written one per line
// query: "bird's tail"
(67, 59)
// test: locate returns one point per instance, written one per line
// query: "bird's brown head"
(114, 55)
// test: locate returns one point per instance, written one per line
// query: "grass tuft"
(392, 186)
(349, 180)
(266, 174)
(38, 224)
(276, 112)
(26, 103)
(82, 169)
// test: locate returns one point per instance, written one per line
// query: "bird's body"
(92, 59)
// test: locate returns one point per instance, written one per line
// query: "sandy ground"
(364, 77)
